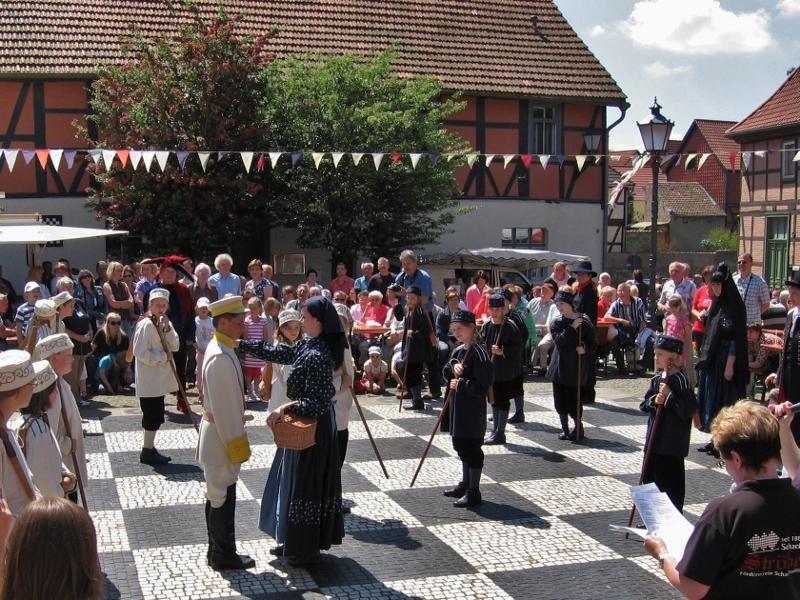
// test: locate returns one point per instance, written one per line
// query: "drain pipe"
(623, 109)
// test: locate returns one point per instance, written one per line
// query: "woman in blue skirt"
(302, 503)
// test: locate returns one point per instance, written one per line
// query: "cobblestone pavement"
(542, 530)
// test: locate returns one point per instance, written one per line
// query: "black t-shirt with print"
(747, 544)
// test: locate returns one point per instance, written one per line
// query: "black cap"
(669, 343)
(414, 290)
(584, 266)
(463, 316)
(506, 293)
(794, 279)
(567, 297)
(497, 301)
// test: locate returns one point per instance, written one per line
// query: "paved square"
(541, 531)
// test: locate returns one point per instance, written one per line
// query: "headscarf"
(324, 311)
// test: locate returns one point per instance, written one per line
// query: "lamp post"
(655, 130)
(591, 141)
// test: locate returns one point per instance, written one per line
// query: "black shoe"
(519, 417)
(151, 456)
(304, 561)
(495, 439)
(277, 550)
(564, 435)
(457, 491)
(346, 510)
(707, 448)
(576, 435)
(237, 561)
(471, 498)
(414, 406)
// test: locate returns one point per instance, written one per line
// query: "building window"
(534, 238)
(788, 166)
(544, 129)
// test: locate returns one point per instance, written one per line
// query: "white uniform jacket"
(223, 440)
(43, 456)
(13, 489)
(75, 431)
(153, 374)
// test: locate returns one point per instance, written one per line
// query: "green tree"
(200, 90)
(720, 238)
(356, 104)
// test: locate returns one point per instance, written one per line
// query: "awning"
(514, 258)
(45, 234)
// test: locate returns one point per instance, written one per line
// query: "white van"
(444, 276)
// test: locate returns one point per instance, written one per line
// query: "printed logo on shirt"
(771, 555)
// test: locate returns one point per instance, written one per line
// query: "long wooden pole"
(578, 428)
(403, 386)
(74, 456)
(369, 433)
(174, 369)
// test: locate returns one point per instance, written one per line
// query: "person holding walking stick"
(469, 374)
(574, 345)
(670, 404)
(154, 376)
(416, 346)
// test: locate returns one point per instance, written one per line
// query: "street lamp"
(655, 130)
(592, 139)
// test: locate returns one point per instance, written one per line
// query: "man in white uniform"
(223, 443)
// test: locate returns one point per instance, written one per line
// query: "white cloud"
(697, 27)
(597, 31)
(789, 8)
(659, 70)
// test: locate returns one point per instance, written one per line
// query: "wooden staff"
(578, 432)
(648, 449)
(174, 369)
(447, 398)
(403, 387)
(369, 433)
(30, 341)
(74, 456)
(15, 464)
(490, 391)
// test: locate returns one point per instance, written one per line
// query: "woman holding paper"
(745, 544)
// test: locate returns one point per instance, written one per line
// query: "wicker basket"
(294, 432)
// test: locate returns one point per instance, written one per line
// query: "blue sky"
(712, 59)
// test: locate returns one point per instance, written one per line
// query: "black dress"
(467, 409)
(563, 369)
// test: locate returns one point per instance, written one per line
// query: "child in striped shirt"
(256, 330)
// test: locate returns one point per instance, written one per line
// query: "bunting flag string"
(106, 158)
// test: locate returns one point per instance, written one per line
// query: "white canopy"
(45, 234)
(504, 257)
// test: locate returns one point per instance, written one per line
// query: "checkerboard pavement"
(541, 532)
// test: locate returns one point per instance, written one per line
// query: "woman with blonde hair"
(109, 346)
(118, 296)
(52, 553)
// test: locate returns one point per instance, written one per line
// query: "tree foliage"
(201, 90)
(720, 238)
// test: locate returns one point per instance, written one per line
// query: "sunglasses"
(114, 322)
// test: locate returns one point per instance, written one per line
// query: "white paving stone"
(695, 509)
(374, 511)
(521, 544)
(649, 564)
(610, 462)
(261, 456)
(379, 429)
(475, 586)
(98, 466)
(176, 489)
(166, 439)
(436, 472)
(389, 411)
(112, 535)
(635, 433)
(183, 571)
(93, 426)
(574, 495)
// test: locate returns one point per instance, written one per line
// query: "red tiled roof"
(480, 46)
(713, 133)
(681, 199)
(782, 109)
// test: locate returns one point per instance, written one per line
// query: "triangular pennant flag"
(162, 156)
(796, 157)
(396, 156)
(526, 159)
(507, 158)
(598, 158)
(261, 163)
(732, 157)
(274, 157)
(43, 155)
(296, 156)
(122, 155)
(643, 160)
(11, 159)
(55, 158)
(760, 153)
(203, 156)
(95, 155)
(108, 158)
(471, 158)
(182, 156)
(488, 159)
(746, 158)
(689, 159)
(415, 156)
(337, 157)
(448, 156)
(147, 157)
(434, 158)
(580, 159)
(561, 158)
(222, 154)
(356, 156)
(377, 158)
(317, 156)
(615, 157)
(247, 160)
(544, 159)
(703, 159)
(136, 157)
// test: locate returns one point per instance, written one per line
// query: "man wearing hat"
(504, 342)
(63, 415)
(586, 303)
(519, 390)
(17, 376)
(223, 445)
(416, 349)
(787, 379)
(672, 394)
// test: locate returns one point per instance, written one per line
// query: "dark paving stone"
(101, 494)
(162, 526)
(532, 463)
(126, 464)
(388, 555)
(119, 574)
(95, 443)
(353, 481)
(702, 485)
(422, 427)
(390, 449)
(609, 580)
(430, 507)
(596, 526)
(604, 415)
(254, 480)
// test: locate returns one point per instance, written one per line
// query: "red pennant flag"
(261, 163)
(396, 156)
(732, 156)
(122, 155)
(43, 155)
(526, 159)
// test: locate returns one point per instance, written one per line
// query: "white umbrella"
(45, 234)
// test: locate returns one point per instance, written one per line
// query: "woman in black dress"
(302, 503)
